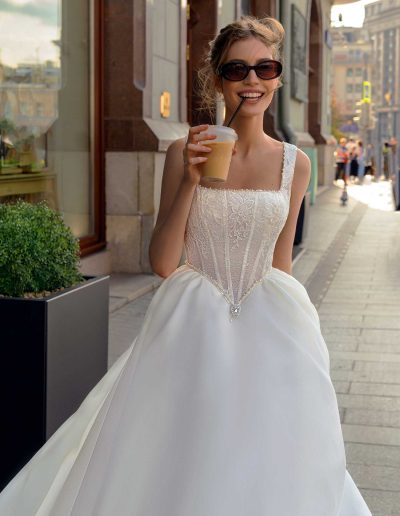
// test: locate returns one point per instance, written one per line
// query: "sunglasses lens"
(234, 71)
(269, 70)
(238, 71)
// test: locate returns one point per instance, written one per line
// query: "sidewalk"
(350, 267)
(355, 287)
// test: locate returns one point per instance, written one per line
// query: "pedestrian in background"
(369, 160)
(341, 158)
(394, 162)
(386, 158)
(353, 169)
(360, 161)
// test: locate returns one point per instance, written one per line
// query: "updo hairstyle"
(268, 30)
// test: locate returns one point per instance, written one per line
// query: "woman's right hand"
(193, 152)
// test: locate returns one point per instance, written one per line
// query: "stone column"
(141, 60)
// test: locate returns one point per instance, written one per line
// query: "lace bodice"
(231, 234)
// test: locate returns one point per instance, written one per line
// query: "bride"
(223, 405)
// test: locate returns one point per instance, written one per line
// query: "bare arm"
(180, 177)
(283, 249)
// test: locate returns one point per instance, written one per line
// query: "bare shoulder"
(273, 145)
(176, 148)
(303, 163)
(302, 170)
(173, 166)
(178, 144)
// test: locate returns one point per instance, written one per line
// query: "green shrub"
(38, 252)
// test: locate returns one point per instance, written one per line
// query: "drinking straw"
(235, 113)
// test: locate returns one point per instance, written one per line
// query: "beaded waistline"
(234, 307)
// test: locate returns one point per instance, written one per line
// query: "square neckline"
(284, 146)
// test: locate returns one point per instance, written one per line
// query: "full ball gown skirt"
(222, 406)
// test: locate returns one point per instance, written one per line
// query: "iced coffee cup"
(216, 167)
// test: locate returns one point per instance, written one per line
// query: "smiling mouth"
(251, 96)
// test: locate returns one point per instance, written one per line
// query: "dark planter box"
(53, 352)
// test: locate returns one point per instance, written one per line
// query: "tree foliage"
(336, 118)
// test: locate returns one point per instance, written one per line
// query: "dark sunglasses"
(236, 71)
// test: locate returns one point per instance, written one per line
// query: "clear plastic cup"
(216, 167)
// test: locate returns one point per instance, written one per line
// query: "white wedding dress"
(223, 405)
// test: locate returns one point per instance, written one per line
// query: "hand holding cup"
(194, 152)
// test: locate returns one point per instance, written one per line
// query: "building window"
(358, 87)
(47, 84)
(358, 72)
(349, 72)
(349, 88)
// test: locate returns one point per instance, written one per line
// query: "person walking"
(386, 154)
(394, 162)
(223, 405)
(353, 171)
(360, 161)
(369, 160)
(341, 158)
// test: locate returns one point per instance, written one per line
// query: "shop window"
(47, 128)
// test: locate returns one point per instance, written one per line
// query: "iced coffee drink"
(216, 167)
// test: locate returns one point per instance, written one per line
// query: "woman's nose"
(251, 77)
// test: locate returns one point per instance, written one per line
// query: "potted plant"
(53, 330)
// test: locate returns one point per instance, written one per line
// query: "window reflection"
(29, 77)
(45, 136)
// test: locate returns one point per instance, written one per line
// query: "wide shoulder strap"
(289, 161)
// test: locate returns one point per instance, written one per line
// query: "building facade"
(95, 101)
(382, 22)
(351, 68)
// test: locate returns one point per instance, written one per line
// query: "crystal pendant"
(235, 310)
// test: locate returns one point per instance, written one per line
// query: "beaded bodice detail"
(231, 234)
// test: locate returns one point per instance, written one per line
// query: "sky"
(353, 14)
(27, 31)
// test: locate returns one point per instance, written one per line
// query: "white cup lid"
(224, 134)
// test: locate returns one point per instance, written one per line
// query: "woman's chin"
(254, 110)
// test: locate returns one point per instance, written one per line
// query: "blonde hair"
(268, 30)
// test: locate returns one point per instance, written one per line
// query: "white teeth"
(251, 95)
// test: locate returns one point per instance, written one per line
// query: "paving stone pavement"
(350, 267)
